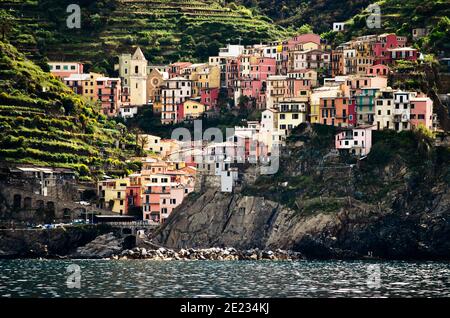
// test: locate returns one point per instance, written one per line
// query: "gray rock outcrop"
(103, 246)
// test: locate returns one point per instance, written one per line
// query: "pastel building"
(337, 111)
(65, 69)
(155, 80)
(305, 74)
(403, 53)
(384, 109)
(276, 89)
(204, 76)
(269, 134)
(382, 44)
(178, 69)
(190, 110)
(422, 112)
(401, 110)
(164, 193)
(357, 141)
(112, 195)
(109, 94)
(312, 59)
(133, 192)
(365, 103)
(174, 92)
(76, 82)
(290, 114)
(97, 87)
(323, 92)
(209, 97)
(378, 70)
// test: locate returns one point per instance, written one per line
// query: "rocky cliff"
(394, 204)
(46, 243)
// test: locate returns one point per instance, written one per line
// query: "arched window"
(136, 69)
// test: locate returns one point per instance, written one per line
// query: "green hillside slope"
(167, 30)
(43, 122)
(402, 16)
(320, 14)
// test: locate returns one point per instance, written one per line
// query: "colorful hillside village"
(299, 80)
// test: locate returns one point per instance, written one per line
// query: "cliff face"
(325, 206)
(46, 243)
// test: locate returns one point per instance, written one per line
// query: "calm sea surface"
(145, 278)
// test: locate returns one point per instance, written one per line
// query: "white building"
(338, 26)
(174, 92)
(231, 50)
(128, 111)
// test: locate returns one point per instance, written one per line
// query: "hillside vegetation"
(44, 122)
(401, 17)
(167, 30)
(320, 14)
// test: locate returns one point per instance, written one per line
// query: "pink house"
(168, 202)
(176, 69)
(378, 70)
(293, 43)
(159, 200)
(254, 85)
(421, 112)
(383, 44)
(357, 141)
(297, 87)
(356, 83)
(299, 39)
(251, 87)
(109, 94)
(263, 67)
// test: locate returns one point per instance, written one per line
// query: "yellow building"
(112, 194)
(90, 88)
(310, 46)
(150, 143)
(205, 76)
(191, 110)
(290, 113)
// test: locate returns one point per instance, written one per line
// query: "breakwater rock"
(102, 247)
(217, 254)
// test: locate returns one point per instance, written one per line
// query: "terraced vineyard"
(167, 30)
(43, 122)
(400, 17)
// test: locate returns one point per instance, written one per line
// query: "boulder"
(103, 246)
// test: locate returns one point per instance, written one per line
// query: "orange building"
(337, 111)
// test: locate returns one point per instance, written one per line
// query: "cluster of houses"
(152, 193)
(173, 169)
(292, 82)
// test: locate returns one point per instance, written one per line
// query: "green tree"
(305, 29)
